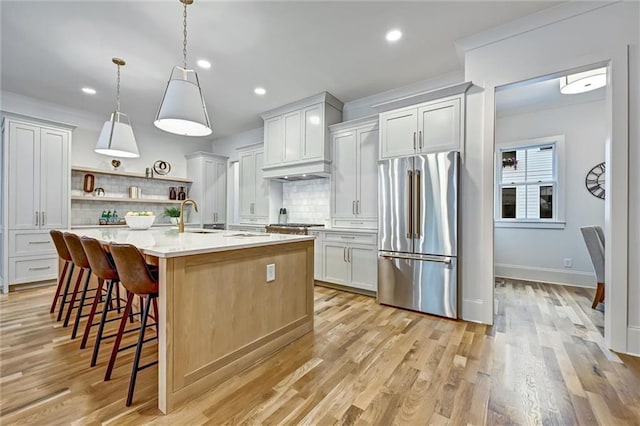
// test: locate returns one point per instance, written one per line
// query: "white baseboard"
(547, 275)
(633, 340)
(473, 310)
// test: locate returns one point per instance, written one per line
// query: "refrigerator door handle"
(424, 257)
(410, 205)
(418, 206)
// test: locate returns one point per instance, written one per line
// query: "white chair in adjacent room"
(594, 239)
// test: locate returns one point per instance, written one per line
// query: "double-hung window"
(528, 186)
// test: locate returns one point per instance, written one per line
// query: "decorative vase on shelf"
(182, 195)
(173, 195)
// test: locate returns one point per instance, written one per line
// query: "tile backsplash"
(307, 201)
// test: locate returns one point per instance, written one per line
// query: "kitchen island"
(218, 312)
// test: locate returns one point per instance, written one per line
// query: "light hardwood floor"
(542, 363)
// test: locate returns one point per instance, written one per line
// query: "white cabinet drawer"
(30, 243)
(356, 223)
(28, 269)
(254, 220)
(351, 238)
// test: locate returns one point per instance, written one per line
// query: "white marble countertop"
(170, 243)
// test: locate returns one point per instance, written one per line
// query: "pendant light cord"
(118, 92)
(184, 32)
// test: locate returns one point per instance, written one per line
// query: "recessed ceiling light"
(89, 90)
(204, 64)
(394, 35)
(259, 91)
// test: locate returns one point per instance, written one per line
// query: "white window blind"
(527, 182)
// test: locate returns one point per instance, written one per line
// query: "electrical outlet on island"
(271, 272)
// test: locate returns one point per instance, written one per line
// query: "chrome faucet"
(181, 219)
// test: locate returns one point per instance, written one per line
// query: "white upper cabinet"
(260, 199)
(428, 127)
(38, 176)
(354, 192)
(296, 138)
(209, 188)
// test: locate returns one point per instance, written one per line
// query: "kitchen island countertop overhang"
(218, 313)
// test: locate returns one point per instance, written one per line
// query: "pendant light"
(182, 110)
(116, 138)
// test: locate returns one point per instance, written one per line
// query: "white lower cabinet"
(350, 259)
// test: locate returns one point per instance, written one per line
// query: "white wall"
(573, 35)
(153, 144)
(539, 253)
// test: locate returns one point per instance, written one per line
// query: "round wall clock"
(595, 180)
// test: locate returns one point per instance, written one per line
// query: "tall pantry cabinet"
(35, 198)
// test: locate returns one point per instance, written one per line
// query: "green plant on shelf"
(171, 212)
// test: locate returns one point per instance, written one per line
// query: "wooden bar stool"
(63, 253)
(102, 267)
(139, 279)
(80, 260)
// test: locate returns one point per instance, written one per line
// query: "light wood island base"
(219, 315)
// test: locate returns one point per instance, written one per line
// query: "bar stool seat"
(63, 253)
(139, 279)
(102, 267)
(80, 260)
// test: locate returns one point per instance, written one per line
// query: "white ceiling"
(50, 49)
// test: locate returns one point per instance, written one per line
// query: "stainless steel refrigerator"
(418, 233)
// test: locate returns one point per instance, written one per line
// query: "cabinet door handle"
(349, 254)
(37, 218)
(40, 268)
(420, 139)
(43, 222)
(358, 207)
(344, 254)
(347, 237)
(353, 207)
(414, 141)
(39, 242)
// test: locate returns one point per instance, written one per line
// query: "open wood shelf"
(129, 174)
(124, 200)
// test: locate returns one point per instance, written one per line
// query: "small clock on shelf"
(595, 180)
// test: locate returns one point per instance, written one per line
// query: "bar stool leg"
(59, 288)
(76, 323)
(92, 313)
(103, 320)
(73, 297)
(136, 359)
(66, 292)
(116, 344)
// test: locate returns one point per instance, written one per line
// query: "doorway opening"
(549, 184)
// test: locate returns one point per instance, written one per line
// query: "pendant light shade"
(182, 110)
(116, 138)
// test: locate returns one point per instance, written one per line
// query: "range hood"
(297, 171)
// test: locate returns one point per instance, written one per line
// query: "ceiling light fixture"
(583, 81)
(116, 138)
(259, 91)
(182, 110)
(89, 90)
(394, 35)
(202, 63)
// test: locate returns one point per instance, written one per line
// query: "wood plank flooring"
(543, 362)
